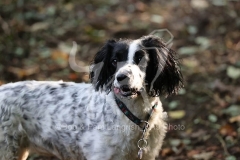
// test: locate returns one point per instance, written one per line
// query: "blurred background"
(204, 119)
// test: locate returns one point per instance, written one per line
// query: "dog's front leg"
(23, 154)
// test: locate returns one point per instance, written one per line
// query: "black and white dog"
(117, 117)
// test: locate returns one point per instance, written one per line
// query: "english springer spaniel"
(117, 117)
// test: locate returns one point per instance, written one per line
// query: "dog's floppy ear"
(101, 71)
(163, 73)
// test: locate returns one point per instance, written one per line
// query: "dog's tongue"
(116, 90)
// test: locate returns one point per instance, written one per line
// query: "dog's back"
(38, 116)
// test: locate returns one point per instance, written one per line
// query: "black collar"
(141, 123)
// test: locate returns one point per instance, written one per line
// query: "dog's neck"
(141, 105)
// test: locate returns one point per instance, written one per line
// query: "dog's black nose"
(121, 77)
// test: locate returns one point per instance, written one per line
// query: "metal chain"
(142, 142)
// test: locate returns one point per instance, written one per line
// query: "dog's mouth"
(125, 91)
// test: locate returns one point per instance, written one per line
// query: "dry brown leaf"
(227, 130)
(73, 76)
(192, 152)
(23, 72)
(122, 18)
(56, 54)
(39, 26)
(203, 4)
(60, 57)
(140, 6)
(166, 151)
(234, 119)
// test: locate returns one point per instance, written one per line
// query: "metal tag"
(140, 153)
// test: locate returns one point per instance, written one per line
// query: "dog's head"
(129, 66)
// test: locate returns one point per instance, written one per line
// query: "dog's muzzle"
(124, 88)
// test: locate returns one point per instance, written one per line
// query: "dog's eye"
(114, 62)
(138, 59)
(138, 56)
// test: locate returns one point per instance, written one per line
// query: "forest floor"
(204, 118)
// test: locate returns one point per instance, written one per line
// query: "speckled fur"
(75, 121)
(61, 119)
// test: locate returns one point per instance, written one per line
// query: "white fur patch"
(133, 47)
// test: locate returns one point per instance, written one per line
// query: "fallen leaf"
(192, 152)
(188, 50)
(192, 29)
(203, 155)
(186, 141)
(51, 10)
(23, 72)
(178, 114)
(173, 104)
(233, 72)
(19, 51)
(212, 118)
(122, 18)
(191, 63)
(234, 119)
(182, 91)
(140, 6)
(73, 76)
(39, 26)
(219, 2)
(59, 54)
(199, 4)
(233, 110)
(65, 47)
(227, 130)
(45, 53)
(69, 6)
(60, 57)
(230, 158)
(166, 151)
(156, 18)
(204, 42)
(175, 142)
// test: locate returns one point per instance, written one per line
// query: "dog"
(118, 116)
